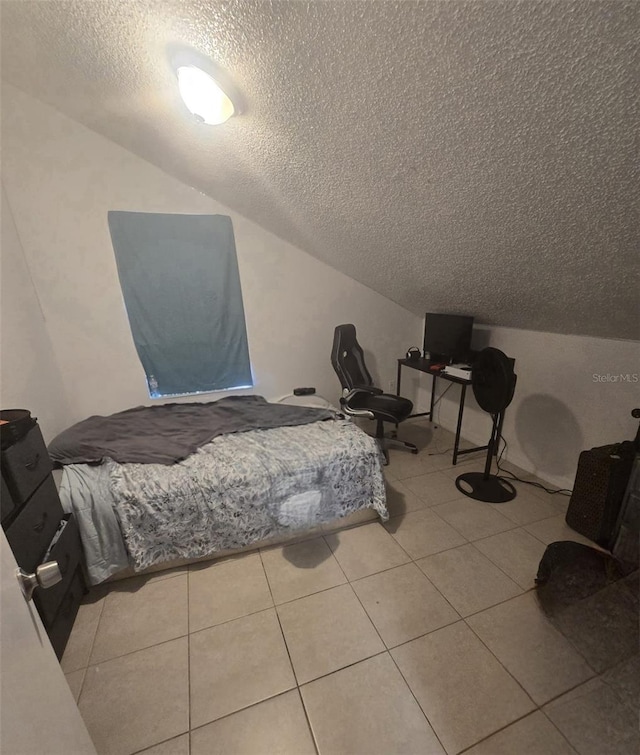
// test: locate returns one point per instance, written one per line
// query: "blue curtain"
(181, 286)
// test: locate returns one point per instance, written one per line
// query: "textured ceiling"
(465, 156)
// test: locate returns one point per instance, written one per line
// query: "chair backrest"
(347, 358)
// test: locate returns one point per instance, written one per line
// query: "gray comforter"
(167, 433)
(237, 490)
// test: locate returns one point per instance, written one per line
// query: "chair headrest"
(347, 357)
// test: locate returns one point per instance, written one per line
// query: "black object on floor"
(569, 572)
(592, 599)
(483, 487)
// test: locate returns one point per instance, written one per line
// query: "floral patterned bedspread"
(245, 487)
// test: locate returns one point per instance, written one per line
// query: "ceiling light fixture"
(203, 96)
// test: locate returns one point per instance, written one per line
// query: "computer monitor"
(447, 337)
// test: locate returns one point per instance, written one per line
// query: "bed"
(237, 489)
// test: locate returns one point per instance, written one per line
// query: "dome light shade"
(203, 96)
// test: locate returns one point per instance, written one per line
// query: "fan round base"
(490, 488)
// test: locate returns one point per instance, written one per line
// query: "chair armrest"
(351, 411)
(368, 389)
(349, 393)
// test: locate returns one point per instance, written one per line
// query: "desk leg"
(398, 383)
(456, 444)
(433, 397)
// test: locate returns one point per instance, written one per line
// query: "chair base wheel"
(385, 442)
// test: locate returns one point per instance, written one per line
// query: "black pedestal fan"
(493, 381)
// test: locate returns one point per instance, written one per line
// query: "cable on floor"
(505, 474)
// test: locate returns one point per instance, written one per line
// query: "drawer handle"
(33, 463)
(40, 525)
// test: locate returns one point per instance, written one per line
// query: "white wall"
(62, 179)
(559, 407)
(29, 374)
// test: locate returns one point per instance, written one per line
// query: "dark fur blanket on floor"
(569, 572)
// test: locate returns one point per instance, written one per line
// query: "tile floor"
(419, 636)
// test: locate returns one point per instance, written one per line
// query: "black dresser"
(38, 530)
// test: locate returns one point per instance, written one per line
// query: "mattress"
(235, 491)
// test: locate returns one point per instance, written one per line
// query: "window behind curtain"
(181, 286)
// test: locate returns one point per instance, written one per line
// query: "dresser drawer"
(32, 530)
(25, 464)
(67, 552)
(60, 629)
(7, 505)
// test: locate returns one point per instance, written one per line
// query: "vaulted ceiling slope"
(472, 156)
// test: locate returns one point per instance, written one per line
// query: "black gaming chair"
(360, 398)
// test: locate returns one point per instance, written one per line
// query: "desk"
(424, 365)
